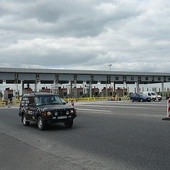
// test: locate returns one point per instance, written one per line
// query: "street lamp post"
(110, 65)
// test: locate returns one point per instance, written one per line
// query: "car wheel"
(68, 124)
(41, 124)
(141, 100)
(25, 121)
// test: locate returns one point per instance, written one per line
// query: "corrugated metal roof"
(91, 72)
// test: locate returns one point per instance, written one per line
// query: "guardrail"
(97, 99)
(2, 103)
(16, 102)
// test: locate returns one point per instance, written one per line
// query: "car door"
(31, 108)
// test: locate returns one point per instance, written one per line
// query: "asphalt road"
(106, 135)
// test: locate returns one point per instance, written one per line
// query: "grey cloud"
(77, 18)
(85, 34)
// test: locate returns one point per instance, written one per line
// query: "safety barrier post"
(168, 108)
(168, 111)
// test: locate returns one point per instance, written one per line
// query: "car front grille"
(59, 112)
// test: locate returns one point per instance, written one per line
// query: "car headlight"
(71, 111)
(67, 112)
(47, 113)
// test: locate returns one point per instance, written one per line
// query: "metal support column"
(163, 92)
(22, 84)
(90, 88)
(75, 88)
(137, 87)
(36, 82)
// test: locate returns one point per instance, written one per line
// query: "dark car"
(45, 109)
(140, 98)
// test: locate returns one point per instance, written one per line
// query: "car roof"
(38, 94)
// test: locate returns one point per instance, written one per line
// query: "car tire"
(68, 124)
(25, 121)
(41, 124)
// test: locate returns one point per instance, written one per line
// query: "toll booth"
(8, 95)
(80, 92)
(120, 92)
(107, 92)
(62, 92)
(95, 92)
(110, 91)
(45, 90)
(27, 90)
(77, 92)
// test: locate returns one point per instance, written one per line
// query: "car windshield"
(47, 100)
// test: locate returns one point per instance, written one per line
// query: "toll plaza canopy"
(49, 76)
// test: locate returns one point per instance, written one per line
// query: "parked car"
(154, 96)
(140, 98)
(45, 109)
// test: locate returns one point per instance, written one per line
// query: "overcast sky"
(132, 35)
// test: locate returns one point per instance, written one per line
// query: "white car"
(154, 96)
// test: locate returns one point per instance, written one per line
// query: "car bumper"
(56, 119)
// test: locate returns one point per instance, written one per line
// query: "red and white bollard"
(168, 108)
(168, 111)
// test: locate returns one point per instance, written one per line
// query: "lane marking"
(126, 107)
(122, 114)
(98, 111)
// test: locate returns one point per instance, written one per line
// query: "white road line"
(122, 114)
(98, 111)
(121, 106)
(7, 108)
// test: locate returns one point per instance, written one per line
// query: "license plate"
(62, 117)
(54, 117)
